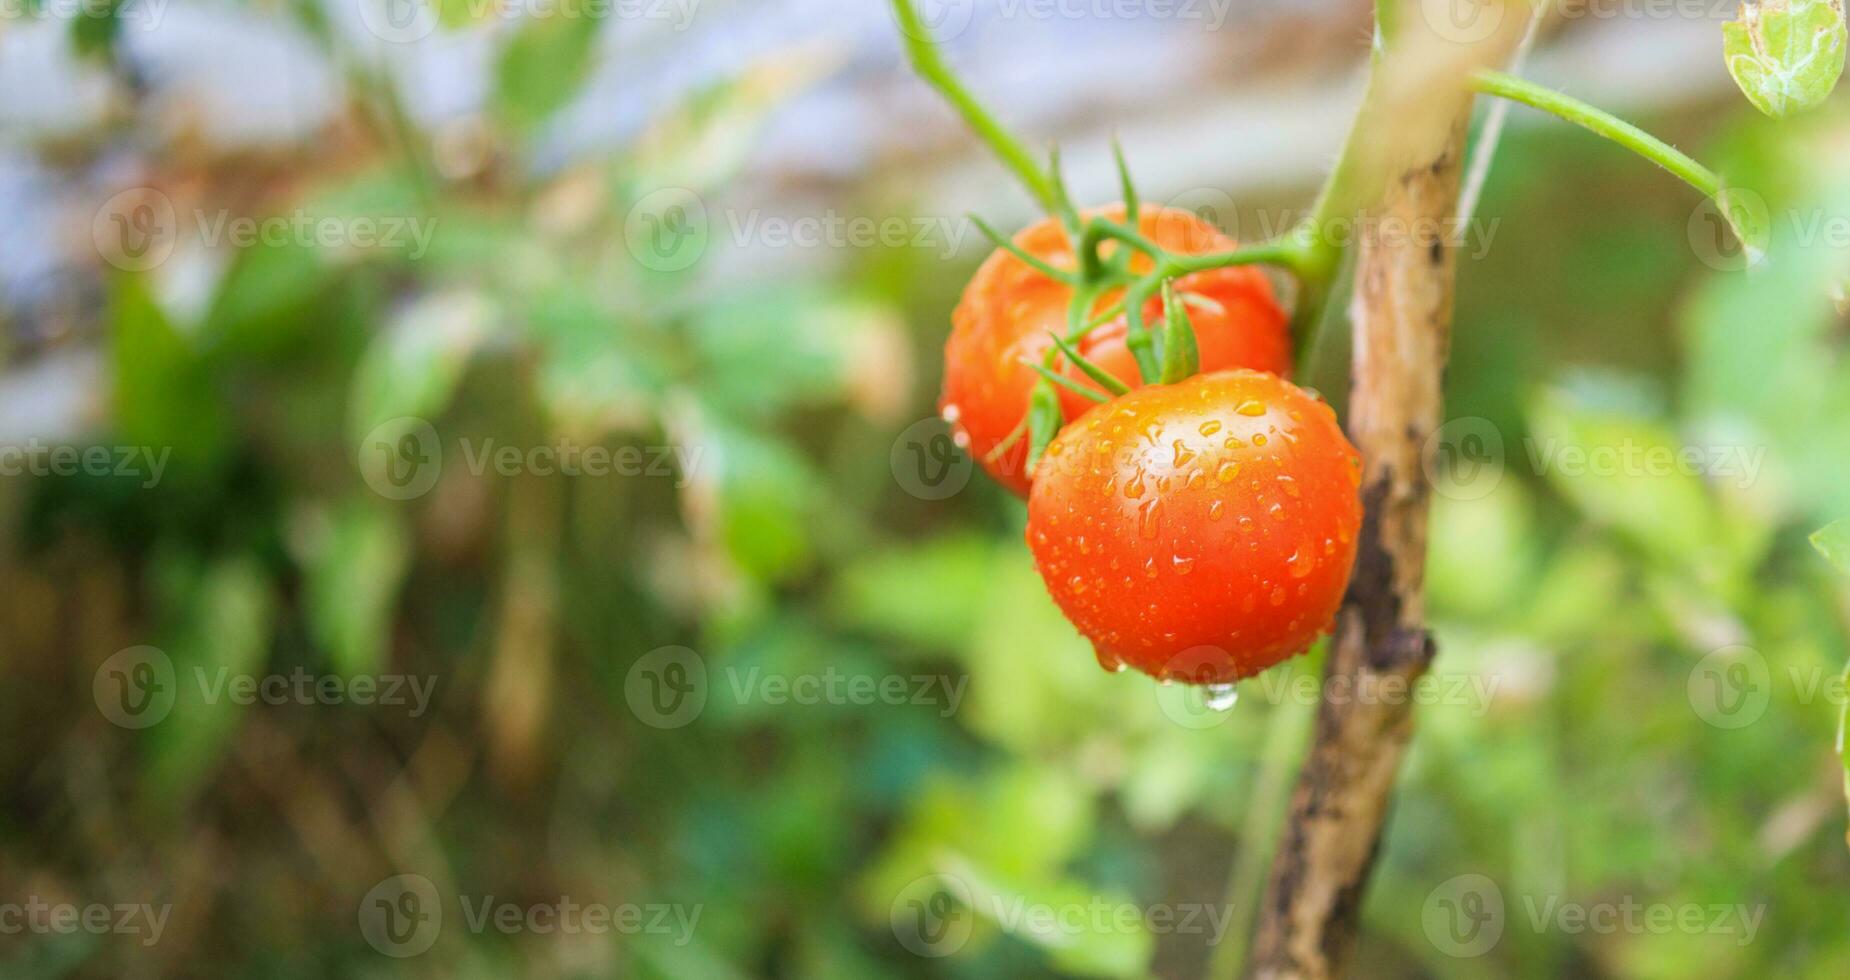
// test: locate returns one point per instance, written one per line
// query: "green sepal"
(1065, 382)
(1039, 265)
(1137, 335)
(1132, 207)
(1069, 214)
(1043, 421)
(1786, 55)
(1098, 374)
(1181, 354)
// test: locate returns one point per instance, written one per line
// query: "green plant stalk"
(930, 65)
(1507, 86)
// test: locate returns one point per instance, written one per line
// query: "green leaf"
(355, 560)
(94, 32)
(1786, 55)
(930, 594)
(1622, 469)
(703, 142)
(1083, 930)
(221, 633)
(542, 66)
(752, 495)
(1833, 542)
(165, 392)
(414, 367)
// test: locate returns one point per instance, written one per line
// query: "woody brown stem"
(1402, 314)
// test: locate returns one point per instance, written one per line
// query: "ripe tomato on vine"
(1011, 312)
(1201, 531)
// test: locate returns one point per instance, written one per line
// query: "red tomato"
(1201, 531)
(1009, 309)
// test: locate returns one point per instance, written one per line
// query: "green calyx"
(1044, 418)
(1181, 355)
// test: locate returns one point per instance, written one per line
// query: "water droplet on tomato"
(1227, 472)
(1252, 409)
(1210, 427)
(1150, 519)
(1112, 663)
(1217, 510)
(1220, 697)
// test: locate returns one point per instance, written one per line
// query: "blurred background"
(471, 505)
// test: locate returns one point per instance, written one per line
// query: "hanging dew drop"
(1220, 697)
(1111, 662)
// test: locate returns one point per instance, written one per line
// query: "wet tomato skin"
(1008, 310)
(1201, 531)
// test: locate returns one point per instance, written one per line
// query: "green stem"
(930, 65)
(1506, 86)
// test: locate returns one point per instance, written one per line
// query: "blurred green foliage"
(1579, 761)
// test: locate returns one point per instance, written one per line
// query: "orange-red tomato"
(1009, 309)
(1201, 531)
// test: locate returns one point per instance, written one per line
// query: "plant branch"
(1507, 86)
(929, 62)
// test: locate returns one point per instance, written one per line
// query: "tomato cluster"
(1010, 311)
(1199, 531)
